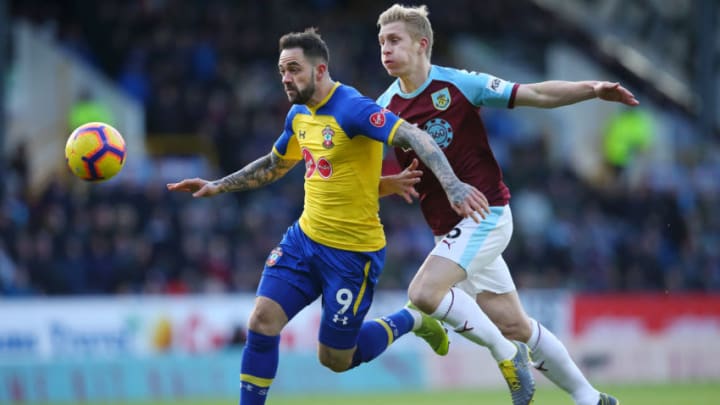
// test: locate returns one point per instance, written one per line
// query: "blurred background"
(616, 232)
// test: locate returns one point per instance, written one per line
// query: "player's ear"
(320, 71)
(424, 43)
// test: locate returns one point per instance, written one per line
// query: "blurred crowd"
(204, 69)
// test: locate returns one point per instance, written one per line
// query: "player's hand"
(403, 183)
(609, 91)
(198, 187)
(468, 201)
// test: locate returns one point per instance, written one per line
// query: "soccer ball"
(95, 151)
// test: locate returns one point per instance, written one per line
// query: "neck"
(321, 91)
(416, 77)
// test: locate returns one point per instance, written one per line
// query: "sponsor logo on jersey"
(274, 256)
(309, 163)
(324, 168)
(378, 119)
(328, 134)
(441, 99)
(440, 130)
(301, 134)
(496, 85)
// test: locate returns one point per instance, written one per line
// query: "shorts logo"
(342, 319)
(328, 135)
(441, 99)
(378, 119)
(275, 255)
(440, 130)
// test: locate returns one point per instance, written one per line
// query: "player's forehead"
(291, 57)
(395, 28)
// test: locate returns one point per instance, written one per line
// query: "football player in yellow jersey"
(336, 249)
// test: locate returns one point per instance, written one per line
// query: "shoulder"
(345, 93)
(348, 100)
(296, 109)
(456, 75)
(478, 87)
(388, 94)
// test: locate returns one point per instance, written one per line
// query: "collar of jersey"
(419, 89)
(324, 101)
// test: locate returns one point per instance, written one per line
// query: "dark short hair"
(309, 41)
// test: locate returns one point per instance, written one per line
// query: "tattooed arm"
(465, 199)
(263, 171)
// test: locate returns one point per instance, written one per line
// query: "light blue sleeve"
(481, 89)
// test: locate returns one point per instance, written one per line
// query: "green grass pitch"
(661, 394)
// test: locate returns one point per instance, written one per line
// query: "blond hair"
(415, 19)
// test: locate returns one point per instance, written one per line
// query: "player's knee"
(266, 321)
(425, 300)
(334, 362)
(515, 329)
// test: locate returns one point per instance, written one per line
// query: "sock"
(552, 358)
(461, 312)
(259, 365)
(376, 335)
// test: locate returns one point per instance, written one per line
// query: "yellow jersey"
(341, 141)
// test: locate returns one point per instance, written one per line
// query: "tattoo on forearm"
(409, 136)
(262, 171)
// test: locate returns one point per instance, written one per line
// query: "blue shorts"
(300, 270)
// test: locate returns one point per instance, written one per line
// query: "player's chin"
(392, 72)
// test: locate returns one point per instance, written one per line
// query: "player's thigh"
(506, 311)
(435, 277)
(287, 284)
(349, 280)
(267, 317)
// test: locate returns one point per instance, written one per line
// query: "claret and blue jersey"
(447, 106)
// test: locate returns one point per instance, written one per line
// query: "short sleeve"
(286, 146)
(483, 89)
(367, 118)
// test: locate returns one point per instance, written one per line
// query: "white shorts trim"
(477, 248)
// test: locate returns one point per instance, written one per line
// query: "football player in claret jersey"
(336, 249)
(466, 267)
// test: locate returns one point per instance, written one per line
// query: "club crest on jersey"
(328, 135)
(274, 256)
(378, 119)
(441, 99)
(440, 130)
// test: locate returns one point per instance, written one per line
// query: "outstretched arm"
(556, 93)
(465, 199)
(262, 171)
